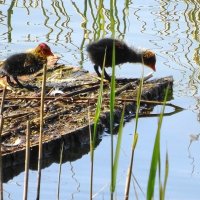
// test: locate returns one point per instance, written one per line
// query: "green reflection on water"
(97, 20)
(10, 12)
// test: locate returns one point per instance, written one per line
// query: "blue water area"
(171, 29)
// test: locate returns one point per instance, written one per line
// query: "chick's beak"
(153, 67)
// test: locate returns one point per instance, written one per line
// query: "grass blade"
(135, 137)
(166, 175)
(129, 173)
(96, 120)
(117, 151)
(155, 161)
(112, 105)
(153, 168)
(99, 104)
(60, 170)
(139, 94)
(27, 159)
(41, 130)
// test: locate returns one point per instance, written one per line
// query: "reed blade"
(117, 150)
(60, 170)
(112, 105)
(135, 135)
(27, 160)
(166, 175)
(96, 120)
(155, 161)
(41, 130)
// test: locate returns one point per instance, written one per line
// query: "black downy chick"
(21, 64)
(123, 54)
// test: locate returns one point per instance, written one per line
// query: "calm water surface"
(171, 29)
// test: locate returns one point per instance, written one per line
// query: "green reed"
(112, 105)
(156, 163)
(114, 157)
(166, 176)
(100, 22)
(60, 170)
(112, 93)
(96, 120)
(117, 150)
(27, 161)
(41, 130)
(135, 135)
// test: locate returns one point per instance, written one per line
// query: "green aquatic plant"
(112, 95)
(156, 163)
(117, 150)
(112, 105)
(40, 157)
(60, 170)
(135, 135)
(96, 120)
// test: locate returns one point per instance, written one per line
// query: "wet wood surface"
(71, 97)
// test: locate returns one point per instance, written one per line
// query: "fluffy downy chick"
(21, 64)
(123, 54)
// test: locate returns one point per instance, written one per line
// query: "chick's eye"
(45, 50)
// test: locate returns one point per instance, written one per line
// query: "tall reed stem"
(27, 159)
(91, 152)
(96, 120)
(1, 128)
(155, 160)
(41, 130)
(1, 166)
(112, 93)
(60, 170)
(135, 137)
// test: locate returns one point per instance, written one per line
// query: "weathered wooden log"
(66, 114)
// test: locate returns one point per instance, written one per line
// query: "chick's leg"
(107, 77)
(10, 82)
(18, 83)
(29, 87)
(96, 68)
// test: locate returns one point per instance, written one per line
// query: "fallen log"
(66, 114)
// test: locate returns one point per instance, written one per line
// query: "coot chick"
(123, 54)
(21, 64)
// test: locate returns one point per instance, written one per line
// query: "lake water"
(172, 30)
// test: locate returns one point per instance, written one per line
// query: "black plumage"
(25, 64)
(123, 54)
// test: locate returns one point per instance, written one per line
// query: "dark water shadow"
(75, 146)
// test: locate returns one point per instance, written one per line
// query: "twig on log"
(123, 88)
(18, 115)
(131, 85)
(2, 100)
(81, 91)
(85, 99)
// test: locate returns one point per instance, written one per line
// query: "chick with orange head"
(123, 53)
(28, 63)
